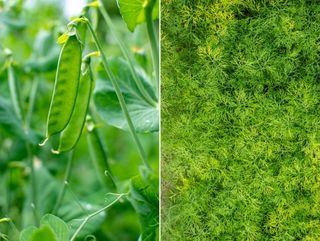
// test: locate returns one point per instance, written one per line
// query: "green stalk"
(14, 228)
(76, 199)
(94, 214)
(152, 38)
(10, 225)
(27, 125)
(33, 94)
(17, 108)
(32, 98)
(120, 97)
(99, 156)
(8, 193)
(127, 55)
(13, 92)
(65, 183)
(34, 202)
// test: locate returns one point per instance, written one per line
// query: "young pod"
(99, 157)
(71, 134)
(65, 87)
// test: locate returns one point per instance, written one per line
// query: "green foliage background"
(20, 24)
(240, 120)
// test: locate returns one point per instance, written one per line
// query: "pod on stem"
(99, 156)
(66, 85)
(71, 134)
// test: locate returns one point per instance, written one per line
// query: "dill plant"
(240, 120)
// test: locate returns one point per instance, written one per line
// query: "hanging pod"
(71, 134)
(99, 157)
(65, 87)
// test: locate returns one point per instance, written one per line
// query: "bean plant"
(79, 118)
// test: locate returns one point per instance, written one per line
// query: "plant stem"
(76, 199)
(34, 201)
(32, 99)
(17, 108)
(65, 183)
(94, 214)
(120, 97)
(14, 92)
(33, 94)
(127, 55)
(153, 39)
(6, 208)
(14, 228)
(99, 155)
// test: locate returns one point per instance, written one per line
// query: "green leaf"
(10, 123)
(51, 228)
(73, 214)
(145, 200)
(133, 12)
(25, 234)
(8, 118)
(44, 233)
(145, 117)
(59, 227)
(47, 192)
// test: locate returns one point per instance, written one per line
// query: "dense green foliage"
(240, 120)
(88, 191)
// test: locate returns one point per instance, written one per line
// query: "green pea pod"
(71, 134)
(82, 32)
(65, 88)
(99, 157)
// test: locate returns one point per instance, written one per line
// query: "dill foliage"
(240, 120)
